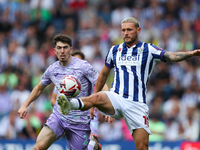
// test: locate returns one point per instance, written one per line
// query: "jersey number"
(146, 120)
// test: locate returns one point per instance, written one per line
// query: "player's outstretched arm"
(32, 97)
(179, 56)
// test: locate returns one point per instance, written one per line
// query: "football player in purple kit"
(76, 125)
(133, 62)
(94, 122)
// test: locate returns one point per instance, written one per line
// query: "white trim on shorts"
(134, 113)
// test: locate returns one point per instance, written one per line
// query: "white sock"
(76, 103)
(92, 142)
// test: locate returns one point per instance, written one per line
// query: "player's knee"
(35, 148)
(99, 98)
(142, 146)
(96, 99)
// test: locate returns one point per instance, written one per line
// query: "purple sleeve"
(90, 73)
(46, 77)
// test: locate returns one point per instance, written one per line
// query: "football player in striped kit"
(133, 62)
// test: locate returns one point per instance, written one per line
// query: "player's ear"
(71, 49)
(138, 30)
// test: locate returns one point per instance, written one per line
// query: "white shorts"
(135, 114)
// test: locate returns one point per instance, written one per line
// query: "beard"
(131, 40)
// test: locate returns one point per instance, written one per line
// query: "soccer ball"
(70, 86)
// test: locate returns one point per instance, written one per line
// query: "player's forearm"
(177, 56)
(100, 83)
(33, 96)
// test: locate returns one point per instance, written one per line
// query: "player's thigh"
(141, 139)
(45, 138)
(104, 103)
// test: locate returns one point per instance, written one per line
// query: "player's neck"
(66, 63)
(133, 43)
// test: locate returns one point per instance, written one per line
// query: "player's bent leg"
(141, 139)
(45, 138)
(99, 100)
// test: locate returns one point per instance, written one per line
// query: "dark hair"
(62, 38)
(78, 52)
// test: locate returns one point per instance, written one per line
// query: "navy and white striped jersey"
(133, 67)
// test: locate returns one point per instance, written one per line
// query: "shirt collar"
(139, 44)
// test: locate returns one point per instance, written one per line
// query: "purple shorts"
(77, 134)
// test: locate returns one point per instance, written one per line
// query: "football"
(70, 86)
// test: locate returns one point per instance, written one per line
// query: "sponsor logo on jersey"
(128, 60)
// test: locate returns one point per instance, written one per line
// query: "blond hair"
(131, 19)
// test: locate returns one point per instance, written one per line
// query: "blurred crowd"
(26, 50)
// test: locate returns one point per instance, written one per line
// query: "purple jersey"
(87, 76)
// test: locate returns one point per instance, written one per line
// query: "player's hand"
(196, 52)
(109, 119)
(22, 112)
(92, 111)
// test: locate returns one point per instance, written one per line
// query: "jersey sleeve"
(90, 73)
(109, 58)
(157, 53)
(46, 77)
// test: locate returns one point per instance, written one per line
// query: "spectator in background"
(28, 132)
(162, 80)
(33, 59)
(5, 100)
(174, 130)
(40, 11)
(11, 125)
(171, 107)
(19, 95)
(8, 78)
(15, 54)
(104, 12)
(191, 124)
(156, 106)
(171, 116)
(119, 13)
(58, 13)
(109, 132)
(11, 8)
(157, 127)
(18, 32)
